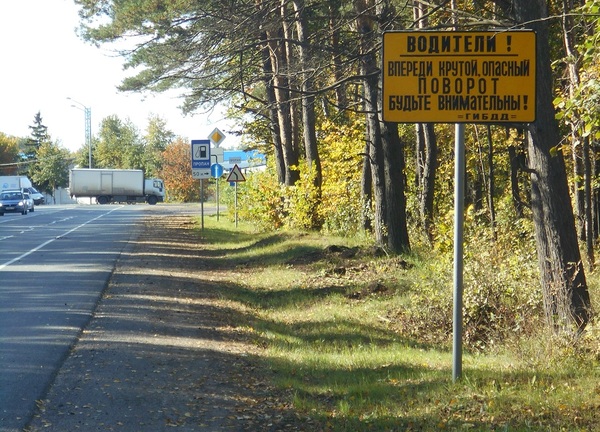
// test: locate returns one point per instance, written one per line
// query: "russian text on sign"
(450, 77)
(452, 43)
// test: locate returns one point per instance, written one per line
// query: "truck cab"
(154, 190)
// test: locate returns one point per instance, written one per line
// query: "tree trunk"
(396, 226)
(474, 181)
(375, 155)
(282, 95)
(308, 99)
(366, 190)
(308, 110)
(369, 69)
(514, 181)
(517, 162)
(491, 181)
(341, 100)
(589, 213)
(293, 89)
(565, 291)
(427, 151)
(393, 160)
(426, 169)
(576, 147)
(272, 112)
(580, 144)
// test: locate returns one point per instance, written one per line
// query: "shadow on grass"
(399, 395)
(314, 362)
(261, 252)
(220, 236)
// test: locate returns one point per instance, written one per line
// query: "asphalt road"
(54, 265)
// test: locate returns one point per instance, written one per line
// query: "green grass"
(351, 364)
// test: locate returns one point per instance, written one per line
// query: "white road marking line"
(35, 249)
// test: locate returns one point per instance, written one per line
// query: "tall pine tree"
(39, 135)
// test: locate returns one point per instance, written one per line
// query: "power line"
(30, 161)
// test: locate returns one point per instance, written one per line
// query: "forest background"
(302, 82)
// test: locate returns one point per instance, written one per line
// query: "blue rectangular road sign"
(201, 154)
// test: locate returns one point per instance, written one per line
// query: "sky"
(43, 62)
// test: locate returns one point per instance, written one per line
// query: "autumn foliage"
(176, 173)
(265, 202)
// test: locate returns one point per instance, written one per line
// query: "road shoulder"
(163, 350)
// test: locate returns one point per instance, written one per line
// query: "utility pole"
(87, 111)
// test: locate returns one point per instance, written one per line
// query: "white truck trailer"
(14, 182)
(115, 185)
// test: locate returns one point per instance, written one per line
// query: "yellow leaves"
(176, 174)
(556, 150)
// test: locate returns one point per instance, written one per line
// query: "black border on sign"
(463, 32)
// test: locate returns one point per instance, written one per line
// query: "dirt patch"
(165, 350)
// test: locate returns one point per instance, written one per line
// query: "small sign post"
(216, 170)
(201, 169)
(235, 176)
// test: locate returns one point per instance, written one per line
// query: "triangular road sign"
(236, 175)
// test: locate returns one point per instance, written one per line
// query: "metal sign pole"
(217, 187)
(236, 213)
(202, 204)
(459, 197)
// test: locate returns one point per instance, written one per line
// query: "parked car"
(13, 201)
(38, 197)
(30, 202)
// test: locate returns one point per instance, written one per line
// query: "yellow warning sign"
(459, 77)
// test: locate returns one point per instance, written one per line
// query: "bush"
(302, 201)
(337, 207)
(501, 294)
(260, 200)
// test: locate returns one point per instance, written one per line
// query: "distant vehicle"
(14, 182)
(13, 201)
(115, 185)
(37, 196)
(23, 183)
(30, 201)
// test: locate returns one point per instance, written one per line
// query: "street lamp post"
(88, 125)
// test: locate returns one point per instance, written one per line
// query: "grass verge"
(331, 317)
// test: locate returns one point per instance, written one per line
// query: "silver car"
(30, 201)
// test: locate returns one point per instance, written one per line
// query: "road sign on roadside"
(459, 76)
(200, 154)
(201, 173)
(216, 137)
(236, 175)
(216, 170)
(200, 159)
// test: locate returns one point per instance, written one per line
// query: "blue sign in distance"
(216, 170)
(200, 154)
